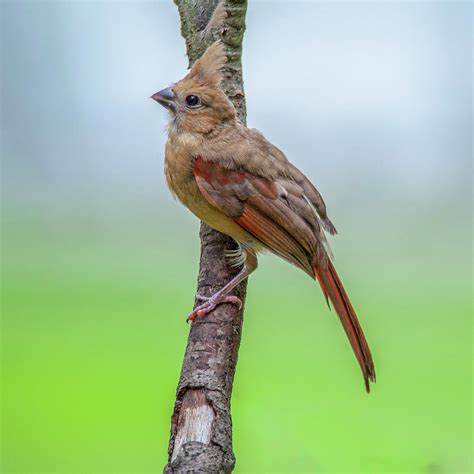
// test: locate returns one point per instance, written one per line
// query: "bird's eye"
(193, 101)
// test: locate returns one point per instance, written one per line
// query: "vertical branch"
(201, 425)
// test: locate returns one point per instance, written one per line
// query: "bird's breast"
(179, 161)
(178, 171)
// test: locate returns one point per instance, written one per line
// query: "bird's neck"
(176, 130)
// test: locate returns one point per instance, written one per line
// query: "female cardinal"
(237, 182)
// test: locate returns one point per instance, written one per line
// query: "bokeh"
(373, 101)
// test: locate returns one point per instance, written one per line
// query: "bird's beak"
(166, 98)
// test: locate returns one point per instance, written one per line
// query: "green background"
(99, 264)
(94, 333)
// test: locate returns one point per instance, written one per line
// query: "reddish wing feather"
(334, 291)
(256, 205)
(282, 223)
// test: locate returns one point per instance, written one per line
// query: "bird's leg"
(222, 296)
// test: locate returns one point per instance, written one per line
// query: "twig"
(201, 425)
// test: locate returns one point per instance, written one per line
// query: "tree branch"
(201, 425)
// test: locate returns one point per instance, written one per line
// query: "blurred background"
(373, 101)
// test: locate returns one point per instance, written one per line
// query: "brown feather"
(251, 197)
(273, 238)
(208, 68)
(333, 289)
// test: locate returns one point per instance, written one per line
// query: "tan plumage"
(207, 70)
(237, 182)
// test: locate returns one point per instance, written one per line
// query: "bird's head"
(197, 103)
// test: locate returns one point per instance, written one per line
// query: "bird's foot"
(211, 303)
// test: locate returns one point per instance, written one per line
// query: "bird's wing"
(279, 213)
(313, 196)
(276, 212)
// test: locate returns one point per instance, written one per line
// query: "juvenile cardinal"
(237, 182)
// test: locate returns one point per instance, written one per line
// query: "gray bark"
(201, 425)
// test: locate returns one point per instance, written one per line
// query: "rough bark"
(201, 425)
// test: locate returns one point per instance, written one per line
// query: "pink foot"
(211, 303)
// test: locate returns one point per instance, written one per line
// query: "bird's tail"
(334, 291)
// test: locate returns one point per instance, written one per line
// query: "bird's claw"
(211, 303)
(202, 298)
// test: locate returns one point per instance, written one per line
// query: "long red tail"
(334, 291)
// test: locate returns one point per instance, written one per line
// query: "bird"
(233, 179)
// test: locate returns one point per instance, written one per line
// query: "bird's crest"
(208, 68)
